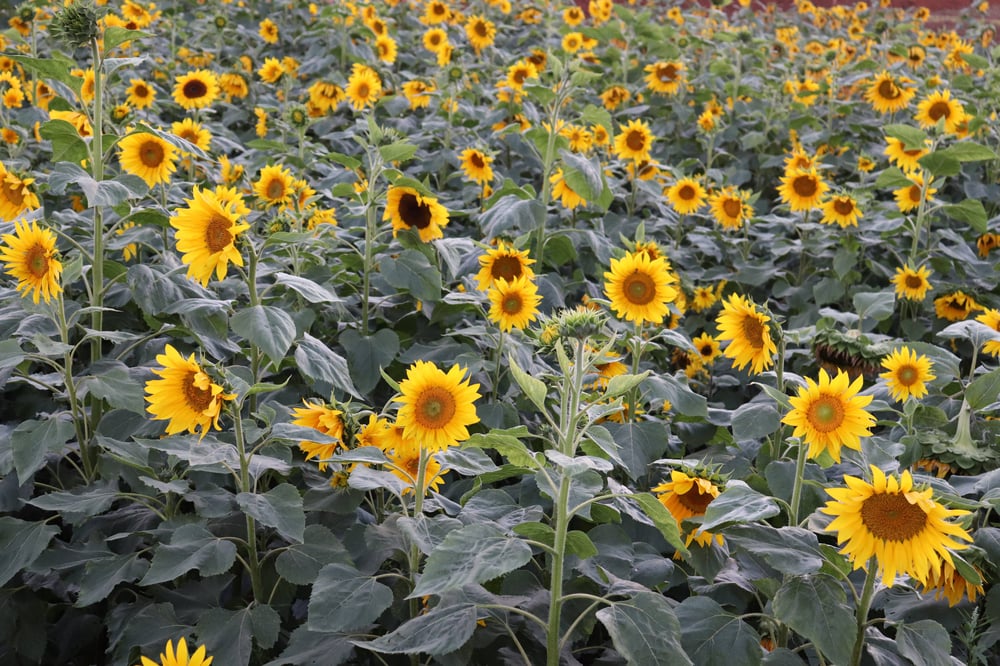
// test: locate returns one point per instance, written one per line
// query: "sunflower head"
(802, 189)
(184, 396)
(196, 90)
(30, 256)
(513, 304)
(747, 330)
(907, 374)
(686, 196)
(634, 141)
(687, 495)
(640, 288)
(324, 419)
(912, 283)
(503, 262)
(76, 25)
(408, 209)
(436, 406)
(148, 156)
(829, 414)
(180, 657)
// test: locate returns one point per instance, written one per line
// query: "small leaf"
(32, 439)
(268, 327)
(877, 305)
(970, 151)
(280, 508)
(579, 544)
(367, 356)
(412, 271)
(67, 144)
(344, 599)
(892, 177)
(622, 384)
(442, 630)
(321, 364)
(507, 444)
(400, 151)
(116, 36)
(912, 138)
(662, 519)
(983, 390)
(21, 542)
(307, 289)
(533, 387)
(645, 631)
(79, 503)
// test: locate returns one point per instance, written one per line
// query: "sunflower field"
(497, 332)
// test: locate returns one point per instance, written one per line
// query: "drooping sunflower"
(634, 141)
(802, 189)
(29, 255)
(841, 209)
(665, 77)
(945, 581)
(830, 414)
(955, 306)
(480, 31)
(148, 156)
(907, 373)
(325, 95)
(905, 159)
(418, 93)
(196, 90)
(640, 288)
(912, 283)
(513, 304)
(888, 93)
(275, 186)
(404, 462)
(992, 319)
(708, 348)
(476, 165)
(730, 207)
(181, 657)
(140, 94)
(688, 496)
(940, 105)
(326, 420)
(206, 233)
(363, 87)
(408, 209)
(16, 195)
(503, 262)
(436, 406)
(904, 529)
(686, 196)
(746, 329)
(185, 395)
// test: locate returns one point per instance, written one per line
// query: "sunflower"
(841, 209)
(513, 304)
(435, 12)
(829, 414)
(206, 235)
(476, 165)
(193, 131)
(271, 71)
(566, 195)
(519, 73)
(940, 105)
(746, 328)
(268, 31)
(140, 94)
(408, 209)
(912, 283)
(418, 93)
(435, 39)
(634, 141)
(325, 95)
(327, 421)
(386, 49)
(907, 160)
(802, 189)
(639, 288)
(888, 94)
(686, 196)
(906, 374)
(730, 207)
(436, 406)
(180, 658)
(579, 137)
(29, 255)
(572, 42)
(196, 90)
(503, 262)
(15, 195)
(184, 395)
(945, 581)
(703, 299)
(688, 496)
(904, 529)
(404, 462)
(955, 306)
(708, 348)
(480, 32)
(992, 319)
(614, 97)
(573, 16)
(665, 77)
(363, 87)
(275, 186)
(148, 156)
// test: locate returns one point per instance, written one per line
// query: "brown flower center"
(275, 189)
(913, 193)
(362, 91)
(635, 140)
(413, 212)
(913, 281)
(11, 192)
(907, 375)
(694, 500)
(687, 193)
(804, 186)
(826, 413)
(939, 110)
(888, 90)
(891, 518)
(480, 29)
(639, 288)
(508, 268)
(843, 206)
(667, 73)
(477, 160)
(194, 89)
(37, 261)
(140, 91)
(753, 331)
(151, 154)
(197, 399)
(512, 304)
(217, 234)
(435, 408)
(732, 208)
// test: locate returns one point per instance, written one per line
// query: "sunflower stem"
(418, 509)
(864, 603)
(79, 414)
(496, 372)
(371, 230)
(800, 467)
(253, 558)
(555, 587)
(97, 168)
(633, 394)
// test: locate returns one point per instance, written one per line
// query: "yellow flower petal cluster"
(184, 396)
(437, 406)
(746, 329)
(829, 414)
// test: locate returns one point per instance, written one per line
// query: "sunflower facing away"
(436, 406)
(907, 373)
(888, 93)
(945, 581)
(904, 529)
(688, 496)
(29, 255)
(408, 209)
(181, 657)
(730, 207)
(184, 395)
(148, 156)
(802, 189)
(404, 461)
(686, 196)
(327, 421)
(830, 414)
(503, 262)
(746, 328)
(912, 283)
(196, 90)
(634, 141)
(514, 304)
(206, 235)
(640, 288)
(955, 306)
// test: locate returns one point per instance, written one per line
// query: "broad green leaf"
(507, 444)
(21, 542)
(738, 504)
(622, 384)
(790, 550)
(682, 399)
(100, 577)
(983, 390)
(924, 643)
(473, 554)
(662, 519)
(815, 606)
(535, 531)
(893, 178)
(466, 461)
(412, 271)
(307, 289)
(713, 637)
(579, 544)
(321, 364)
(344, 599)
(191, 547)
(645, 631)
(79, 503)
(268, 327)
(67, 144)
(941, 164)
(428, 532)
(511, 215)
(368, 355)
(639, 444)
(32, 439)
(877, 305)
(228, 634)
(970, 211)
(970, 151)
(912, 138)
(312, 648)
(583, 176)
(533, 387)
(111, 381)
(442, 630)
(115, 36)
(55, 68)
(400, 151)
(754, 420)
(300, 563)
(280, 508)
(11, 354)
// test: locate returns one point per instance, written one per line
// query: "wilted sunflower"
(955, 306)
(940, 105)
(196, 90)
(148, 156)
(275, 186)
(665, 77)
(29, 255)
(639, 288)
(180, 658)
(746, 328)
(888, 93)
(802, 189)
(513, 304)
(634, 141)
(271, 71)
(363, 87)
(992, 319)
(408, 209)
(436, 406)
(504, 262)
(140, 94)
(688, 496)
(404, 462)
(476, 165)
(327, 421)
(480, 31)
(904, 529)
(907, 373)
(830, 414)
(16, 196)
(730, 207)
(912, 283)
(206, 235)
(686, 196)
(905, 159)
(841, 209)
(945, 581)
(184, 395)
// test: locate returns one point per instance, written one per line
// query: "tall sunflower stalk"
(372, 194)
(552, 112)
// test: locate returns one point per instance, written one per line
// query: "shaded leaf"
(32, 439)
(713, 637)
(191, 547)
(320, 364)
(368, 355)
(301, 563)
(313, 648)
(790, 550)
(815, 607)
(924, 643)
(268, 327)
(443, 630)
(473, 554)
(21, 542)
(343, 599)
(280, 508)
(100, 577)
(738, 503)
(645, 631)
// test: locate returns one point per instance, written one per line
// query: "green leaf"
(533, 387)
(268, 327)
(683, 400)
(300, 564)
(79, 503)
(924, 643)
(11, 354)
(892, 178)
(412, 271)
(595, 115)
(55, 68)
(21, 542)
(877, 305)
(912, 138)
(983, 390)
(507, 444)
(321, 364)
(191, 547)
(368, 355)
(473, 554)
(312, 648)
(638, 444)
(539, 532)
(739, 503)
(67, 144)
(280, 508)
(307, 289)
(442, 630)
(622, 384)
(970, 151)
(32, 439)
(815, 607)
(579, 544)
(101, 577)
(427, 532)
(115, 36)
(343, 599)
(583, 176)
(228, 635)
(790, 550)
(662, 519)
(754, 420)
(645, 631)
(970, 211)
(941, 164)
(400, 151)
(111, 381)
(713, 637)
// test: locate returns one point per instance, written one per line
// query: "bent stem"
(864, 603)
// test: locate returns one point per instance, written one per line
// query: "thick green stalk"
(76, 409)
(561, 520)
(418, 509)
(800, 467)
(253, 557)
(864, 603)
(548, 160)
(371, 231)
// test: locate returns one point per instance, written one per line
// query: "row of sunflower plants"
(482, 333)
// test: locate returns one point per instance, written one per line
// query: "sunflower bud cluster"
(75, 25)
